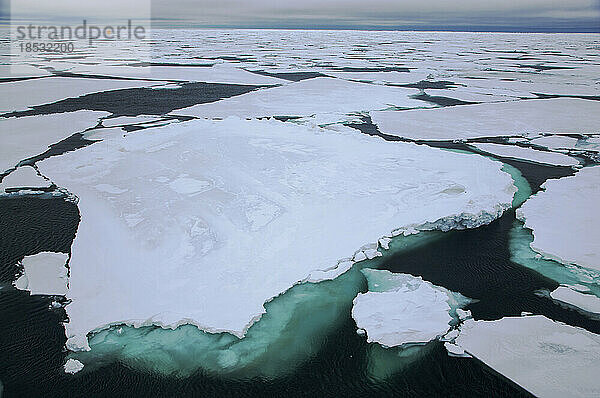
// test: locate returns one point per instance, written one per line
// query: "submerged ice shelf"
(213, 208)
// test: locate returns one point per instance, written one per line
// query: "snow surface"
(21, 95)
(532, 155)
(229, 214)
(564, 220)
(401, 309)
(44, 273)
(493, 119)
(323, 95)
(586, 302)
(548, 359)
(28, 136)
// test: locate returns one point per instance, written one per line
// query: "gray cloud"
(522, 15)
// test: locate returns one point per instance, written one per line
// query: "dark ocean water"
(474, 262)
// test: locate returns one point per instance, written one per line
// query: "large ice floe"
(401, 309)
(493, 119)
(564, 220)
(323, 95)
(203, 222)
(24, 137)
(548, 359)
(585, 301)
(23, 178)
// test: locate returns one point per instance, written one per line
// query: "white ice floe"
(44, 273)
(73, 366)
(564, 219)
(558, 142)
(323, 95)
(587, 302)
(401, 308)
(23, 177)
(21, 95)
(548, 359)
(561, 115)
(555, 142)
(216, 74)
(267, 205)
(28, 136)
(528, 154)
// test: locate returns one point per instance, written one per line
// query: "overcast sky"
(503, 15)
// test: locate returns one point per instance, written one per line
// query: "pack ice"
(203, 222)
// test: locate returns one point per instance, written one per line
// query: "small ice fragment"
(73, 366)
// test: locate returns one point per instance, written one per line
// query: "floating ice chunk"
(360, 256)
(24, 177)
(318, 276)
(528, 154)
(73, 366)
(586, 302)
(455, 351)
(282, 197)
(20, 95)
(401, 309)
(44, 273)
(24, 137)
(548, 359)
(385, 243)
(403, 316)
(562, 223)
(321, 95)
(493, 119)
